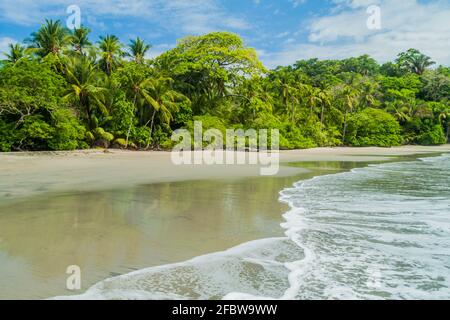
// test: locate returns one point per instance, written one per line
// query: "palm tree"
(287, 92)
(138, 48)
(368, 90)
(403, 111)
(80, 39)
(350, 97)
(255, 97)
(16, 53)
(86, 88)
(51, 38)
(111, 52)
(325, 101)
(414, 61)
(312, 98)
(163, 100)
(138, 88)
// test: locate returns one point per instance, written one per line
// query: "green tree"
(373, 127)
(207, 68)
(79, 39)
(51, 38)
(86, 89)
(138, 86)
(163, 101)
(137, 50)
(16, 53)
(349, 97)
(111, 53)
(436, 86)
(414, 61)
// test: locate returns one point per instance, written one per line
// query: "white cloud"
(344, 33)
(193, 16)
(4, 43)
(159, 49)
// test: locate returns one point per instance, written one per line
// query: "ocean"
(379, 232)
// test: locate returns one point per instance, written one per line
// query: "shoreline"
(31, 173)
(103, 290)
(101, 232)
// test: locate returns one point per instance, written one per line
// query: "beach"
(25, 174)
(117, 212)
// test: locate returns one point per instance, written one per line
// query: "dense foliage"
(62, 92)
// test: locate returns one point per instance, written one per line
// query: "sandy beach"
(25, 174)
(116, 212)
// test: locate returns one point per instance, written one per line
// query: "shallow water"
(378, 232)
(381, 232)
(118, 231)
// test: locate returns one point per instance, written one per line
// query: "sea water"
(380, 232)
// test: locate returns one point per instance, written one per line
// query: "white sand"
(24, 174)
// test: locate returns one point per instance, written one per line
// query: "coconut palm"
(111, 52)
(51, 38)
(86, 88)
(137, 50)
(80, 39)
(324, 98)
(288, 94)
(349, 99)
(15, 54)
(138, 88)
(414, 61)
(163, 100)
(403, 111)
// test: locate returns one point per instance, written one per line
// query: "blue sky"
(282, 31)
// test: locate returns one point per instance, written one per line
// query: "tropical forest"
(62, 90)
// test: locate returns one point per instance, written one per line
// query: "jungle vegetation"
(60, 90)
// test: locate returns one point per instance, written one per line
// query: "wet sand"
(112, 213)
(27, 174)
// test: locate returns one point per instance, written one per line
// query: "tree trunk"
(321, 116)
(345, 128)
(128, 135)
(151, 128)
(131, 124)
(89, 114)
(448, 131)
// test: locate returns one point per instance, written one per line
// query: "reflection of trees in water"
(114, 231)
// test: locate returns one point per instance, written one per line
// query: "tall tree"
(15, 54)
(414, 61)
(86, 88)
(51, 38)
(349, 100)
(111, 53)
(80, 39)
(138, 49)
(138, 86)
(206, 68)
(163, 101)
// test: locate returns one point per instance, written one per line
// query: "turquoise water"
(380, 232)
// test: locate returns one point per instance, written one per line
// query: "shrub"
(120, 143)
(373, 127)
(434, 136)
(140, 136)
(68, 132)
(7, 136)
